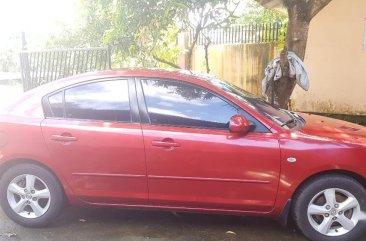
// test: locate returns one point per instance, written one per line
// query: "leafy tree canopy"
(254, 13)
(141, 30)
(9, 53)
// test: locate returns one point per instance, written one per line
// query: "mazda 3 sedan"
(178, 141)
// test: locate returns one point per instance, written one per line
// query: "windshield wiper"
(292, 120)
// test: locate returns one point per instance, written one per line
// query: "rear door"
(94, 135)
(192, 158)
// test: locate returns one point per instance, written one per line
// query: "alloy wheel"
(28, 196)
(333, 212)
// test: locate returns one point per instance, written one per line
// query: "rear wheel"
(30, 195)
(329, 208)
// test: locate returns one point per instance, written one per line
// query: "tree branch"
(166, 62)
(206, 45)
(198, 30)
(318, 5)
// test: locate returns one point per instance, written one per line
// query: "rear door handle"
(65, 137)
(167, 142)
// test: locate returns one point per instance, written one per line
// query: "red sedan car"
(178, 141)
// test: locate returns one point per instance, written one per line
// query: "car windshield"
(279, 116)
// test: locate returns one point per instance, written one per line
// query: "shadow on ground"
(134, 225)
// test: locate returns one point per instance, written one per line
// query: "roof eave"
(274, 4)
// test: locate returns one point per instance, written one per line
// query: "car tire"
(329, 208)
(36, 207)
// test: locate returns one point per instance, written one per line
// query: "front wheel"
(329, 208)
(30, 195)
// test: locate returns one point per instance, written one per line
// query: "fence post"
(109, 51)
(39, 67)
(24, 64)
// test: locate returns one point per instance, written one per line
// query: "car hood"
(334, 129)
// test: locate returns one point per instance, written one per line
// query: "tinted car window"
(180, 104)
(277, 115)
(57, 104)
(107, 101)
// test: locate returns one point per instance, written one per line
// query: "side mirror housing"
(239, 124)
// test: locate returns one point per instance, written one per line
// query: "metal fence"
(236, 34)
(40, 67)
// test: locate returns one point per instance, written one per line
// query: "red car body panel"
(213, 169)
(107, 162)
(127, 165)
(323, 145)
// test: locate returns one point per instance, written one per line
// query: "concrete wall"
(241, 64)
(336, 60)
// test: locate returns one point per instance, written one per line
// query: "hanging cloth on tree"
(297, 70)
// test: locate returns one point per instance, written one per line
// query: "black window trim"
(146, 117)
(134, 112)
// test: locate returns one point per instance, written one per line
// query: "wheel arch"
(287, 209)
(357, 177)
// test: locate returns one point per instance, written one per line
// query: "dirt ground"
(104, 224)
(136, 225)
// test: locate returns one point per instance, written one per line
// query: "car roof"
(128, 73)
(31, 97)
(136, 72)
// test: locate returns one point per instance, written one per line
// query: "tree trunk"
(207, 44)
(298, 27)
(284, 87)
(296, 38)
(191, 48)
(300, 13)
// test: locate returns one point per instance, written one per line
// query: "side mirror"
(239, 124)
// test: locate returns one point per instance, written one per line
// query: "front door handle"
(64, 137)
(167, 142)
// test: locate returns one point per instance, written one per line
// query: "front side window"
(179, 104)
(277, 115)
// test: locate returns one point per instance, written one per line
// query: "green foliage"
(8, 61)
(255, 13)
(138, 30)
(282, 38)
(167, 47)
(9, 53)
(142, 31)
(89, 31)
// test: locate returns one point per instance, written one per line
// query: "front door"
(194, 161)
(92, 135)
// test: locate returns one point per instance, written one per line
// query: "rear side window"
(101, 101)
(57, 104)
(179, 104)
